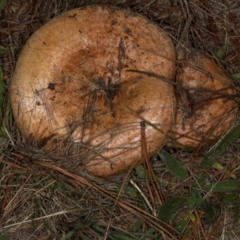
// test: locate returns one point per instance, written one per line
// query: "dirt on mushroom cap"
(72, 73)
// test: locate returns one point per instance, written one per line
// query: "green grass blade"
(4, 237)
(173, 165)
(3, 50)
(169, 207)
(3, 4)
(221, 52)
(183, 227)
(236, 76)
(194, 201)
(211, 157)
(230, 198)
(141, 172)
(223, 186)
(137, 226)
(68, 235)
(211, 210)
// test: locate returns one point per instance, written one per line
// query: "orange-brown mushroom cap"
(82, 86)
(206, 101)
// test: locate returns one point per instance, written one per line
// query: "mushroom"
(85, 81)
(206, 104)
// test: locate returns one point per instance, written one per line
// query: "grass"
(182, 194)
